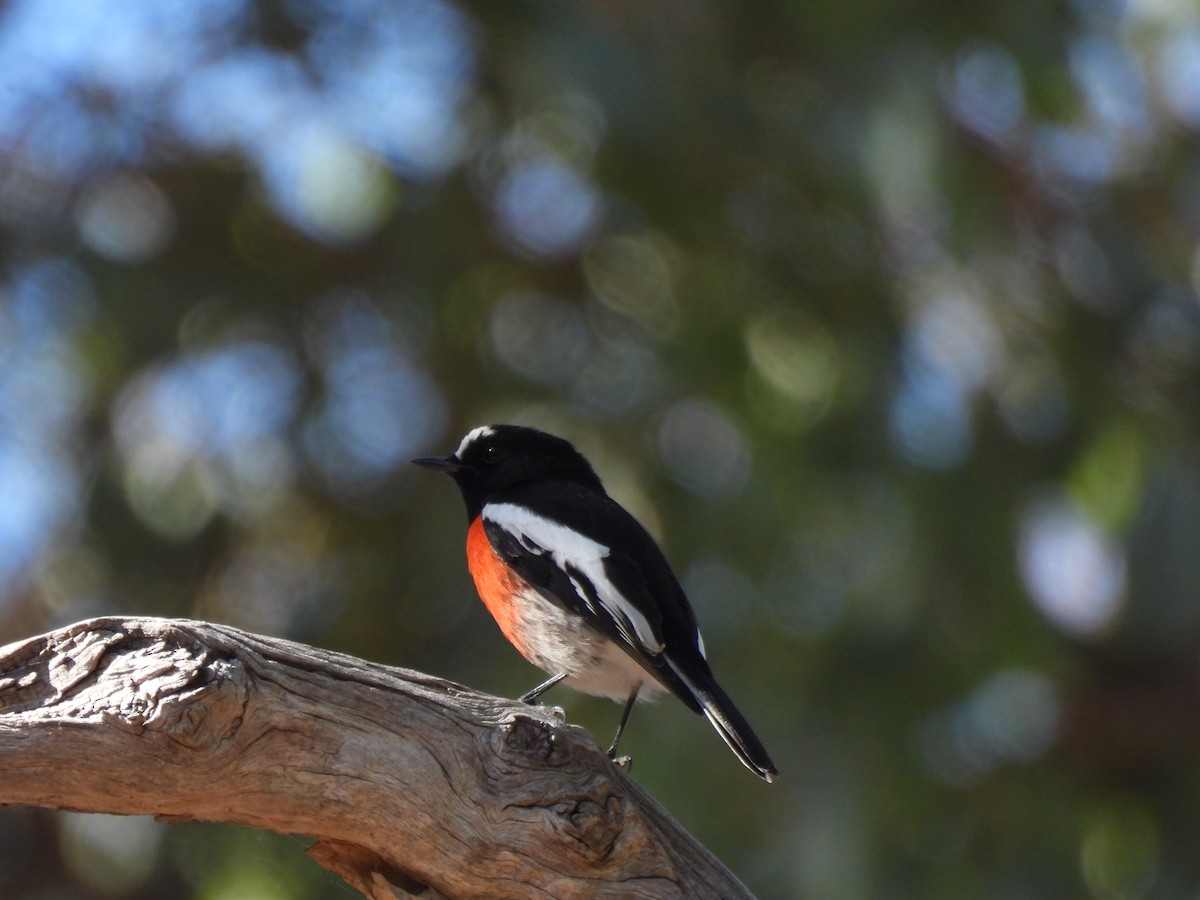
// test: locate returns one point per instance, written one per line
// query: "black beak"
(447, 464)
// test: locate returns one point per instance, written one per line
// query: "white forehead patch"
(473, 435)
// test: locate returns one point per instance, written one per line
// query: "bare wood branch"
(413, 786)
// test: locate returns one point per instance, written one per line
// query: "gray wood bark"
(411, 786)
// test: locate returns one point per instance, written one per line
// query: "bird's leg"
(623, 761)
(532, 696)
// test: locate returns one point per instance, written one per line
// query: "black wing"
(606, 569)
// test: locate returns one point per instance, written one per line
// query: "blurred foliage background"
(883, 316)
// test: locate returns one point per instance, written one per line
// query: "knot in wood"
(530, 737)
(206, 709)
(592, 823)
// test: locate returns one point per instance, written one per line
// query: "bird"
(578, 585)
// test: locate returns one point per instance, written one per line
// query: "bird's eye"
(491, 454)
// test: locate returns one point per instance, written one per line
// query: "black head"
(495, 457)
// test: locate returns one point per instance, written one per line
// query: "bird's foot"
(532, 696)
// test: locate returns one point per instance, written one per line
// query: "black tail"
(708, 698)
(733, 728)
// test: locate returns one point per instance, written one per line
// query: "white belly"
(558, 641)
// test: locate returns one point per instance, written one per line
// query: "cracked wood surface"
(411, 785)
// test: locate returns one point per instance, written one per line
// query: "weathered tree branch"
(412, 786)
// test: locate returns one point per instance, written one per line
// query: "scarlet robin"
(577, 585)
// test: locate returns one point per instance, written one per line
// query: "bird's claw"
(622, 762)
(557, 713)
